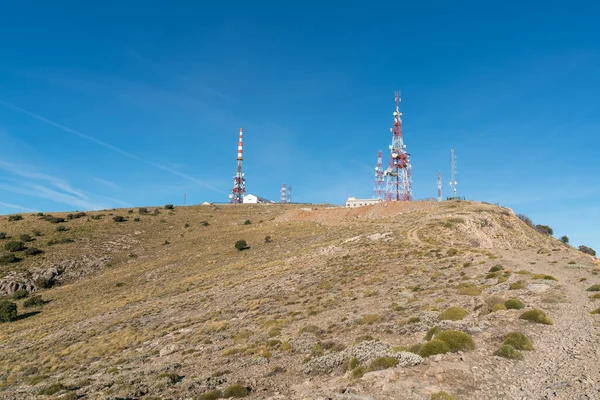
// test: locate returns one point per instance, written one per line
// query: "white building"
(354, 202)
(253, 199)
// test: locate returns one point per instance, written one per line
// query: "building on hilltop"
(354, 202)
(253, 199)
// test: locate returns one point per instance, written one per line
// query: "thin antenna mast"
(439, 183)
(453, 180)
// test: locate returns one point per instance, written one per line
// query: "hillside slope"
(334, 305)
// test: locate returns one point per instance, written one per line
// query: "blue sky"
(127, 103)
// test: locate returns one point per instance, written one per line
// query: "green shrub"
(204, 223)
(143, 210)
(358, 372)
(587, 250)
(235, 391)
(53, 220)
(60, 241)
(496, 268)
(456, 340)
(33, 251)
(61, 228)
(518, 340)
(353, 363)
(14, 245)
(545, 229)
(537, 316)
(596, 311)
(381, 363)
(119, 218)
(564, 239)
(8, 259)
(309, 329)
(15, 217)
(34, 301)
(433, 347)
(514, 304)
(595, 296)
(518, 285)
(468, 290)
(247, 222)
(268, 239)
(507, 351)
(241, 245)
(369, 319)
(594, 288)
(210, 395)
(2, 235)
(20, 294)
(8, 311)
(415, 348)
(44, 283)
(453, 314)
(432, 332)
(169, 207)
(186, 225)
(543, 276)
(498, 307)
(442, 396)
(52, 389)
(136, 219)
(25, 238)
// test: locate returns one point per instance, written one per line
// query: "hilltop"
(393, 301)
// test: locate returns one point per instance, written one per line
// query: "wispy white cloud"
(44, 192)
(108, 146)
(106, 182)
(16, 207)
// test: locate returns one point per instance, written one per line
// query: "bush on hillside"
(2, 235)
(537, 316)
(525, 219)
(8, 311)
(53, 220)
(442, 396)
(453, 314)
(235, 391)
(381, 363)
(456, 340)
(14, 245)
(241, 245)
(44, 283)
(514, 304)
(594, 288)
(211, 395)
(587, 250)
(268, 239)
(507, 351)
(25, 238)
(143, 210)
(564, 239)
(545, 229)
(9, 259)
(433, 347)
(247, 222)
(34, 301)
(15, 217)
(432, 332)
(20, 294)
(169, 207)
(496, 268)
(119, 218)
(518, 340)
(60, 241)
(61, 228)
(518, 285)
(33, 251)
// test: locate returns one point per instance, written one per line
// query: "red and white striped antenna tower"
(283, 194)
(378, 188)
(439, 182)
(398, 186)
(239, 182)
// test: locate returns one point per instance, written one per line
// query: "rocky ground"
(335, 304)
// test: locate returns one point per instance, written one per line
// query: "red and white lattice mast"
(439, 182)
(398, 174)
(283, 194)
(239, 182)
(378, 188)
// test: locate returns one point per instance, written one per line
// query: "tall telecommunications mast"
(378, 188)
(398, 174)
(452, 179)
(239, 182)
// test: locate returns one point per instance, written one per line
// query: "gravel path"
(565, 363)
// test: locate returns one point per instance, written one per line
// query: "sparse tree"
(525, 219)
(587, 250)
(8, 311)
(545, 229)
(564, 239)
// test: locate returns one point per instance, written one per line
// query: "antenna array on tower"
(398, 174)
(239, 182)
